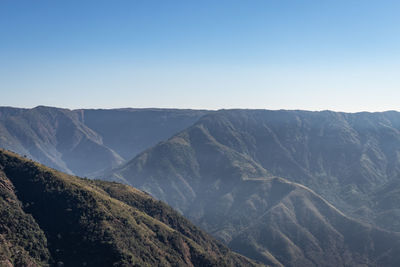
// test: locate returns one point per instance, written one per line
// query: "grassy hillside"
(69, 221)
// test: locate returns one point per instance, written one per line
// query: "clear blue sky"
(273, 54)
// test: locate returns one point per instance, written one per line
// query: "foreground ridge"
(51, 218)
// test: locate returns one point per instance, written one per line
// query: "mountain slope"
(77, 222)
(211, 171)
(57, 138)
(344, 157)
(130, 131)
(22, 242)
(85, 142)
(301, 229)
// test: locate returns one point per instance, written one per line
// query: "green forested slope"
(54, 218)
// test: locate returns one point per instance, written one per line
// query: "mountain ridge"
(197, 170)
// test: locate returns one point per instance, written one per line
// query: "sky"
(208, 54)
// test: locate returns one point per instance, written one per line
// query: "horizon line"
(197, 109)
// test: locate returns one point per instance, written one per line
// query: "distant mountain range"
(220, 173)
(288, 188)
(50, 218)
(85, 142)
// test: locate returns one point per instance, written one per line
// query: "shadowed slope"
(22, 242)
